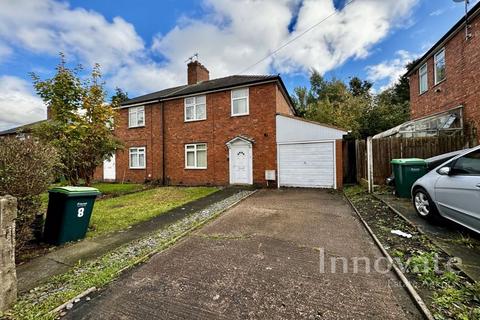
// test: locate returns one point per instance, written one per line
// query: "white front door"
(241, 163)
(109, 169)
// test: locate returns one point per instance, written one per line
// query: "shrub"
(26, 170)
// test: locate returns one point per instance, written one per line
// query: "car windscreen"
(434, 162)
(468, 164)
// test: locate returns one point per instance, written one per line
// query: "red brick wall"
(462, 80)
(98, 174)
(339, 163)
(216, 130)
(196, 72)
(149, 136)
(282, 105)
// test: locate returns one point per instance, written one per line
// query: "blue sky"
(142, 45)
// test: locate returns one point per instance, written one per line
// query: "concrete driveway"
(261, 260)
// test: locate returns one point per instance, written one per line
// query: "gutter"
(137, 104)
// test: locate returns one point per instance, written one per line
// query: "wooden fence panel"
(361, 154)
(386, 149)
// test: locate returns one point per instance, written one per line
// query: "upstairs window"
(136, 117)
(137, 158)
(423, 78)
(240, 102)
(195, 108)
(196, 156)
(440, 73)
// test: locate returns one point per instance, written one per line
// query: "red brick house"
(445, 81)
(232, 130)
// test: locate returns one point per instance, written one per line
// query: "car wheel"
(423, 204)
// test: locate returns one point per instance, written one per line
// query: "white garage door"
(307, 165)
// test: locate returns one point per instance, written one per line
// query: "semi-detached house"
(231, 130)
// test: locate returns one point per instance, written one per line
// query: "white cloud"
(236, 39)
(349, 34)
(5, 51)
(18, 104)
(390, 70)
(47, 26)
(145, 78)
(230, 36)
(437, 12)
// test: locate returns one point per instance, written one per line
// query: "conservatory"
(445, 123)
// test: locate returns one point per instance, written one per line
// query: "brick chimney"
(197, 73)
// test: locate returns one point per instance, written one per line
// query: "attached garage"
(307, 153)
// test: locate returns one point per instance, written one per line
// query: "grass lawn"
(107, 189)
(117, 189)
(118, 213)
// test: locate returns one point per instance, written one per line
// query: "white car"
(452, 190)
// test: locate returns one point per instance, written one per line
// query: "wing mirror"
(444, 171)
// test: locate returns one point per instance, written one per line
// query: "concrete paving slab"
(260, 260)
(445, 234)
(60, 260)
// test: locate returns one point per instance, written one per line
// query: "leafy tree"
(353, 107)
(330, 102)
(320, 89)
(81, 125)
(118, 97)
(300, 100)
(359, 87)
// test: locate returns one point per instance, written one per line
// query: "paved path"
(446, 234)
(62, 259)
(260, 260)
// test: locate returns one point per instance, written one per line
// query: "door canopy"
(240, 140)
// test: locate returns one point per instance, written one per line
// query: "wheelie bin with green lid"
(68, 214)
(406, 172)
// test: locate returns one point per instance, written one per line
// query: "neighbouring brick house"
(231, 130)
(445, 81)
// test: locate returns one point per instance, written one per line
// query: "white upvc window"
(196, 156)
(440, 72)
(136, 117)
(195, 108)
(423, 78)
(137, 158)
(240, 104)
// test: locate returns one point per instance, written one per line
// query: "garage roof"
(295, 129)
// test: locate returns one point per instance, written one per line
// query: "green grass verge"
(37, 303)
(118, 213)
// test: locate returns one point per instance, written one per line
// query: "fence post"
(8, 275)
(370, 164)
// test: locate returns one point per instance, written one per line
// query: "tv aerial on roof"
(468, 35)
(193, 58)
